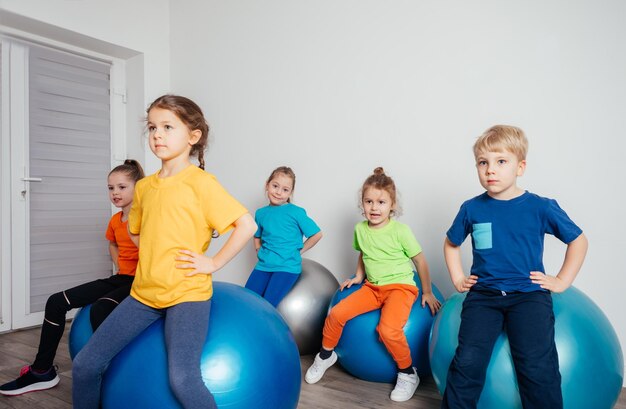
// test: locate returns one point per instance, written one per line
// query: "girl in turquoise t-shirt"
(278, 239)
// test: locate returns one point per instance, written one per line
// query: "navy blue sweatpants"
(528, 319)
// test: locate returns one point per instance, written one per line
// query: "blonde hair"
(502, 137)
(379, 180)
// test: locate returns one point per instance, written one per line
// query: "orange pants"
(394, 301)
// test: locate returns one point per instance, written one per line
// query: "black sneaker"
(30, 381)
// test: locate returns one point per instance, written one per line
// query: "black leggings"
(104, 295)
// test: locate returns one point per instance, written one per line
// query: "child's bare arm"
(114, 251)
(311, 241)
(574, 257)
(427, 289)
(452, 254)
(359, 276)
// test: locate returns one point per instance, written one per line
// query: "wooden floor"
(336, 390)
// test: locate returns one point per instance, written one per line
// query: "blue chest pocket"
(481, 233)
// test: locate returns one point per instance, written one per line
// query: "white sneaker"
(405, 387)
(319, 367)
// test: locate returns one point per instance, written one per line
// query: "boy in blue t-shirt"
(508, 288)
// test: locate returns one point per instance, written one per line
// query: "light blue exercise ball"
(250, 359)
(590, 356)
(362, 354)
(80, 331)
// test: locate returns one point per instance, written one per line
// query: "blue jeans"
(271, 286)
(186, 326)
(528, 319)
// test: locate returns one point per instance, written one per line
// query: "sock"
(325, 354)
(409, 370)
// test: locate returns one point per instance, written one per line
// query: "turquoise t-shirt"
(281, 229)
(387, 252)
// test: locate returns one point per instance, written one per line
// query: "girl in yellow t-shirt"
(174, 215)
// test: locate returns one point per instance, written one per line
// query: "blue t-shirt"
(280, 229)
(508, 237)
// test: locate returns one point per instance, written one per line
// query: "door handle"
(23, 192)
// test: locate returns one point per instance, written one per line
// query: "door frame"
(14, 221)
(5, 193)
(18, 165)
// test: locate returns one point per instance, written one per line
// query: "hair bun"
(379, 171)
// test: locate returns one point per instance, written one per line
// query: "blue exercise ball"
(249, 360)
(590, 356)
(80, 331)
(362, 354)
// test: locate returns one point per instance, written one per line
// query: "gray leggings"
(186, 326)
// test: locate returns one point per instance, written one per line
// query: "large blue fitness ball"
(249, 360)
(362, 354)
(80, 331)
(590, 356)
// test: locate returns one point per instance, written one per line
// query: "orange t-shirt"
(117, 232)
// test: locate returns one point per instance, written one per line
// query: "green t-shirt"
(387, 252)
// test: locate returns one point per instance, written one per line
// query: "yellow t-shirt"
(172, 214)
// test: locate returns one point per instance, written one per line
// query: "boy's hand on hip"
(466, 283)
(197, 263)
(550, 283)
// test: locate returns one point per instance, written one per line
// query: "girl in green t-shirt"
(386, 248)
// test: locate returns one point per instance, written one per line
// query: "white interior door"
(60, 154)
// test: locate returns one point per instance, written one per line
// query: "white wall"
(336, 88)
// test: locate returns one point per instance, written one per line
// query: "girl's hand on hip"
(197, 263)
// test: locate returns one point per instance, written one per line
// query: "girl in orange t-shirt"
(103, 295)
